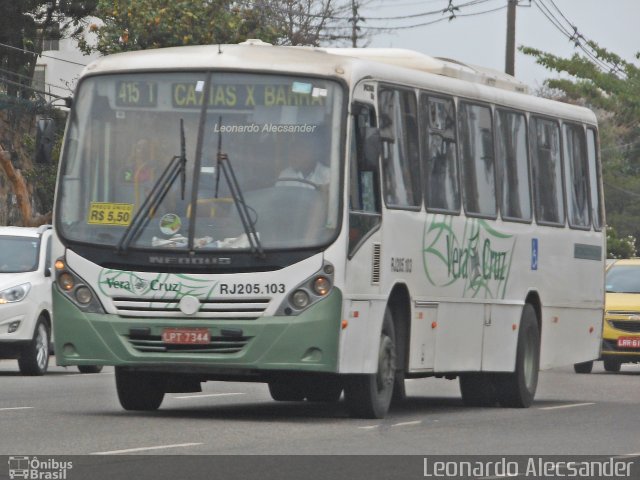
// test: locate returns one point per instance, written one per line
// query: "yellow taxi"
(621, 329)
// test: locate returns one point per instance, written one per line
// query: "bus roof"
(351, 64)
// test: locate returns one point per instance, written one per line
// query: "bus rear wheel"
(517, 389)
(139, 390)
(369, 395)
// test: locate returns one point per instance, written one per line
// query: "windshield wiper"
(177, 166)
(224, 165)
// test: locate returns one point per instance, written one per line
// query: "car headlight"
(14, 294)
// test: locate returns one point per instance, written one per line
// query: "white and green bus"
(324, 221)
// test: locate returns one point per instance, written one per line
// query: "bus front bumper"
(307, 342)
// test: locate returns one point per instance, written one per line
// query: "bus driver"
(304, 167)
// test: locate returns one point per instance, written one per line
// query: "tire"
(286, 392)
(34, 359)
(612, 365)
(478, 389)
(138, 390)
(517, 389)
(584, 367)
(369, 395)
(90, 368)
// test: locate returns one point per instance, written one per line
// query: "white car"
(25, 298)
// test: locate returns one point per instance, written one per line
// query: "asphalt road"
(68, 413)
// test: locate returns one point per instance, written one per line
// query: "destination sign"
(136, 93)
(191, 95)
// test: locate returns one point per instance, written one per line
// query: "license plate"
(629, 342)
(186, 336)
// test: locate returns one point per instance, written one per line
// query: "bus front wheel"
(139, 390)
(369, 395)
(517, 389)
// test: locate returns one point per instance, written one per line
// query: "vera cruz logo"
(479, 260)
(162, 285)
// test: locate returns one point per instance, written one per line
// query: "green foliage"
(617, 247)
(143, 24)
(615, 97)
(616, 91)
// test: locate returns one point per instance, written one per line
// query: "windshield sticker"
(478, 262)
(300, 87)
(319, 92)
(104, 213)
(170, 224)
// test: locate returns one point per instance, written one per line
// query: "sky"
(481, 39)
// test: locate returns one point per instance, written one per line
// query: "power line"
(424, 24)
(574, 35)
(30, 79)
(11, 47)
(432, 12)
(21, 85)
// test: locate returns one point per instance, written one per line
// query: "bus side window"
(576, 175)
(547, 171)
(594, 177)
(513, 165)
(440, 159)
(400, 149)
(476, 159)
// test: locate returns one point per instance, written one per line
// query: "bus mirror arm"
(372, 148)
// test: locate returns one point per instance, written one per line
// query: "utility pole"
(354, 21)
(510, 58)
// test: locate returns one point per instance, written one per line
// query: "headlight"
(14, 294)
(300, 299)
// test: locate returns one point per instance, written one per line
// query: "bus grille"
(626, 325)
(154, 344)
(244, 309)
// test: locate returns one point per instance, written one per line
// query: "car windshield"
(262, 159)
(18, 254)
(623, 279)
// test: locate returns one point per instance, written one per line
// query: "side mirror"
(45, 139)
(47, 272)
(372, 149)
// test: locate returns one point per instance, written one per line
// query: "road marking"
(369, 427)
(142, 449)
(210, 395)
(403, 424)
(14, 408)
(567, 406)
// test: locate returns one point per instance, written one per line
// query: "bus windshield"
(279, 137)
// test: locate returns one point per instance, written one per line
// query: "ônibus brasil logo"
(37, 469)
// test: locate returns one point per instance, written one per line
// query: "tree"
(24, 25)
(610, 85)
(142, 24)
